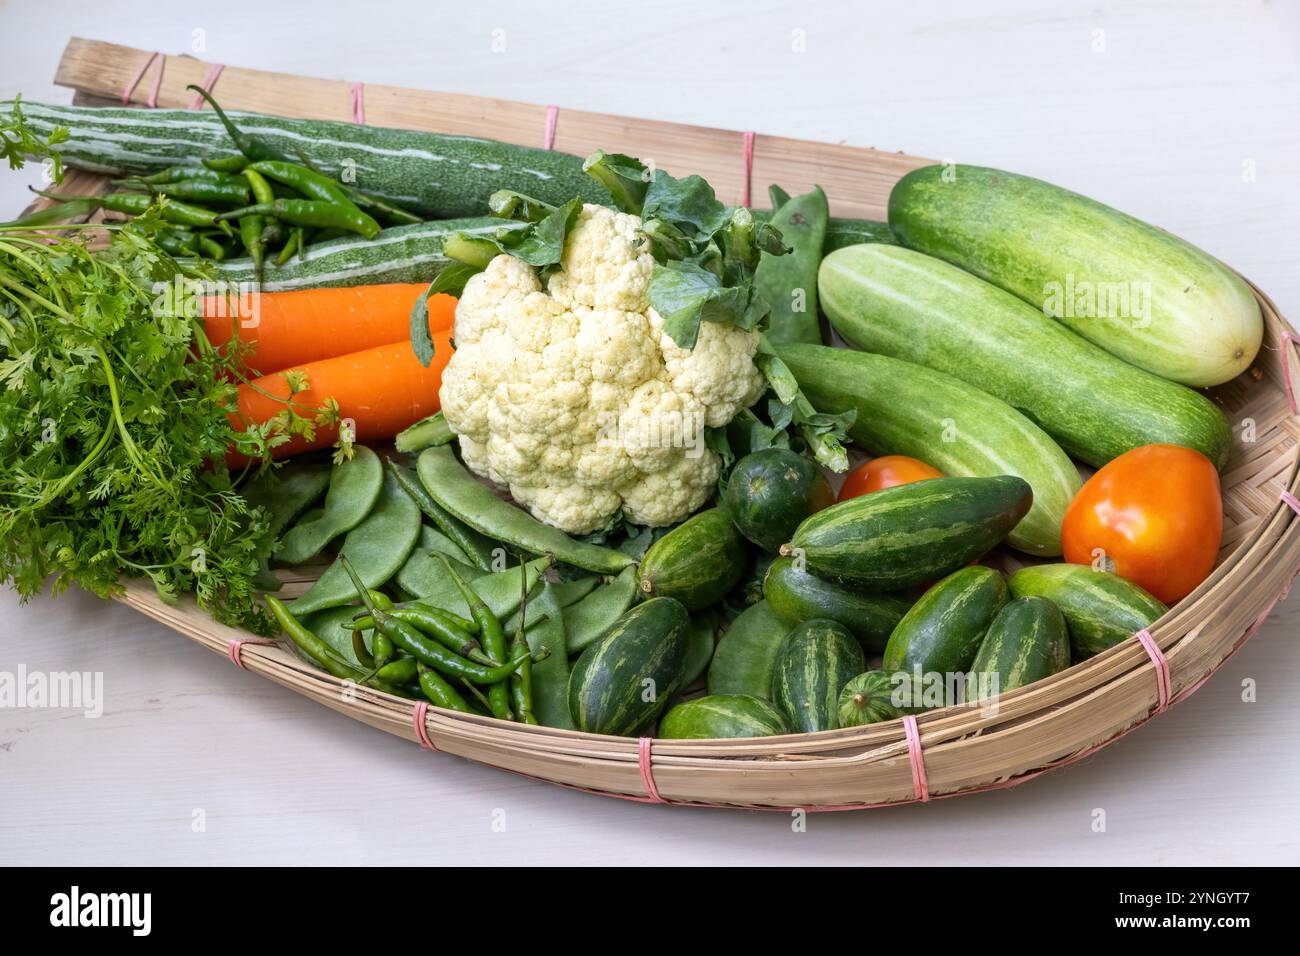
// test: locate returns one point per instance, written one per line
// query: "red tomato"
(1156, 514)
(884, 472)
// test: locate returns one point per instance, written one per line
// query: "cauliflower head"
(575, 398)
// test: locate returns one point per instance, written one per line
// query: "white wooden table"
(1186, 115)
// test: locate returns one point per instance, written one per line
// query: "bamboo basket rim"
(957, 750)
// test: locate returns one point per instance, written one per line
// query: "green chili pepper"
(135, 204)
(227, 164)
(401, 671)
(491, 635)
(174, 174)
(315, 213)
(250, 147)
(311, 645)
(307, 181)
(252, 229)
(430, 652)
(435, 624)
(212, 249)
(228, 194)
(290, 247)
(382, 208)
(380, 644)
(440, 692)
(178, 242)
(521, 681)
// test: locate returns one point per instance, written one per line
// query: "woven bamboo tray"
(942, 753)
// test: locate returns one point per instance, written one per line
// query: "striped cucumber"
(816, 660)
(623, 680)
(436, 175)
(400, 254)
(1150, 298)
(943, 630)
(902, 536)
(1101, 609)
(722, 715)
(868, 699)
(897, 302)
(697, 562)
(745, 657)
(906, 409)
(1027, 641)
(797, 596)
(770, 491)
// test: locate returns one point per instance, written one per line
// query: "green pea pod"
(789, 282)
(591, 618)
(477, 547)
(378, 547)
(354, 487)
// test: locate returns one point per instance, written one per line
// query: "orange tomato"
(884, 472)
(1157, 516)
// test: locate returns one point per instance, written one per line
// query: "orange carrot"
(293, 328)
(382, 390)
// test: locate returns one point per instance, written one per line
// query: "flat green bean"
(377, 548)
(353, 490)
(588, 621)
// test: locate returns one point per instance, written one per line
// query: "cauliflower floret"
(577, 400)
(492, 297)
(576, 509)
(719, 371)
(607, 262)
(663, 497)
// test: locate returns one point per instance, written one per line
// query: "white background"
(1157, 108)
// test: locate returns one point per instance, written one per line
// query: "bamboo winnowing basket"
(1035, 729)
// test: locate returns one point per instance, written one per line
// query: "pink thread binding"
(920, 786)
(1161, 664)
(1291, 501)
(152, 101)
(233, 651)
(749, 165)
(359, 103)
(1289, 336)
(418, 716)
(548, 134)
(208, 82)
(647, 774)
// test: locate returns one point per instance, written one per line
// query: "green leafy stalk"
(823, 433)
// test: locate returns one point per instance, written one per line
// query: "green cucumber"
(906, 409)
(722, 715)
(1157, 301)
(789, 282)
(902, 536)
(770, 491)
(456, 490)
(745, 658)
(815, 661)
(437, 175)
(867, 699)
(897, 302)
(942, 632)
(1027, 641)
(797, 596)
(627, 677)
(1100, 608)
(697, 562)
(400, 254)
